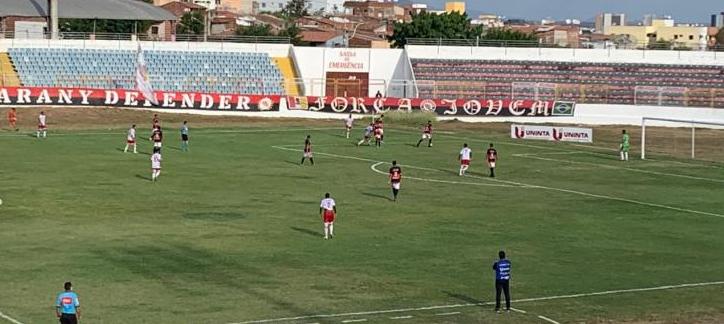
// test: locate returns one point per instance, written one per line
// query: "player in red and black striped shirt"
(308, 150)
(491, 155)
(395, 179)
(426, 134)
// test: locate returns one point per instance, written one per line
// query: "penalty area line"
(374, 168)
(525, 300)
(9, 319)
(532, 186)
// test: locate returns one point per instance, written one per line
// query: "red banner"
(19, 96)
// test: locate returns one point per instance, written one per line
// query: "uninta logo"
(519, 132)
(557, 134)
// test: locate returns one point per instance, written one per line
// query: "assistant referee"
(67, 307)
(502, 281)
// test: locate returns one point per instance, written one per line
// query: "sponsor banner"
(442, 107)
(22, 96)
(549, 133)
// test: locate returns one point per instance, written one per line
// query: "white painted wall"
(274, 50)
(383, 65)
(566, 55)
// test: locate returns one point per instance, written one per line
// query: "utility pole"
(53, 18)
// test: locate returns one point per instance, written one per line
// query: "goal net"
(682, 139)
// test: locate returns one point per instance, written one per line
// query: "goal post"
(680, 138)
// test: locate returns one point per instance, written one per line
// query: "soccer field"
(231, 232)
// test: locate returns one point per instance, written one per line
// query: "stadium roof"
(87, 9)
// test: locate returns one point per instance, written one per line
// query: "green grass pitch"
(231, 232)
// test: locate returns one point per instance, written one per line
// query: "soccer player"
(348, 124)
(42, 125)
(156, 122)
(624, 146)
(308, 150)
(131, 139)
(395, 179)
(328, 211)
(367, 135)
(492, 156)
(378, 136)
(157, 138)
(185, 137)
(156, 163)
(426, 134)
(67, 306)
(465, 155)
(502, 281)
(380, 124)
(13, 119)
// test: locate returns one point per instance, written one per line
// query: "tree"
(191, 23)
(720, 37)
(452, 25)
(255, 30)
(294, 33)
(506, 34)
(103, 26)
(295, 9)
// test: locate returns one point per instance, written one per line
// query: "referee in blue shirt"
(67, 307)
(502, 281)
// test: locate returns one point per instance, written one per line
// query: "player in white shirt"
(465, 155)
(328, 211)
(131, 139)
(348, 124)
(42, 126)
(156, 163)
(367, 135)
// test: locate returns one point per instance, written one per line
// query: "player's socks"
(125, 150)
(625, 154)
(621, 153)
(37, 134)
(45, 134)
(492, 172)
(326, 231)
(419, 142)
(302, 163)
(429, 143)
(311, 160)
(331, 230)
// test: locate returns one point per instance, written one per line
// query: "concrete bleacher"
(581, 81)
(169, 70)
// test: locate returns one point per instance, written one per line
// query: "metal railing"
(582, 44)
(148, 37)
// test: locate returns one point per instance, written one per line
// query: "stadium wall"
(566, 55)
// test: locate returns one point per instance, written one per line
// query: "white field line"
(518, 310)
(447, 314)
(525, 300)
(374, 168)
(401, 317)
(201, 133)
(355, 320)
(531, 186)
(9, 319)
(590, 147)
(534, 156)
(547, 319)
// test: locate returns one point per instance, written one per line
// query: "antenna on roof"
(53, 18)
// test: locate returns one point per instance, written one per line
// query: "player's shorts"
(184, 137)
(348, 127)
(396, 185)
(426, 136)
(308, 154)
(328, 216)
(68, 319)
(491, 164)
(156, 169)
(624, 148)
(464, 162)
(12, 120)
(378, 136)
(131, 141)
(42, 127)
(157, 144)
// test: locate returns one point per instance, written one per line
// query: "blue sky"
(681, 10)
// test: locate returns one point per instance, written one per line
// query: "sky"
(694, 11)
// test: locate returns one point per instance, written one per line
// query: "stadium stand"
(621, 83)
(193, 71)
(8, 75)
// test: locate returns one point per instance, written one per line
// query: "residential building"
(488, 21)
(379, 10)
(717, 20)
(271, 5)
(604, 22)
(664, 29)
(167, 30)
(452, 6)
(241, 7)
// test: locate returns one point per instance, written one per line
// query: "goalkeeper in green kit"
(624, 146)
